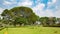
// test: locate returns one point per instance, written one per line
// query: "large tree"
(20, 14)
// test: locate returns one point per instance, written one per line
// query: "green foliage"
(33, 18)
(44, 20)
(20, 15)
(48, 21)
(20, 20)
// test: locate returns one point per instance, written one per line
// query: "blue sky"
(49, 8)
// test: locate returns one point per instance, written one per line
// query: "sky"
(42, 8)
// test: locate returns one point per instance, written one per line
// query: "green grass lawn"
(32, 30)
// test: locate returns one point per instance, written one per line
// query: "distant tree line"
(50, 21)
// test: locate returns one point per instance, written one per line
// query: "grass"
(32, 30)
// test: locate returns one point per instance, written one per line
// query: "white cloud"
(38, 9)
(42, 13)
(53, 12)
(57, 13)
(49, 13)
(54, 1)
(25, 3)
(1, 10)
(50, 4)
(7, 3)
(12, 0)
(40, 6)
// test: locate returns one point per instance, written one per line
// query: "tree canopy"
(20, 15)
